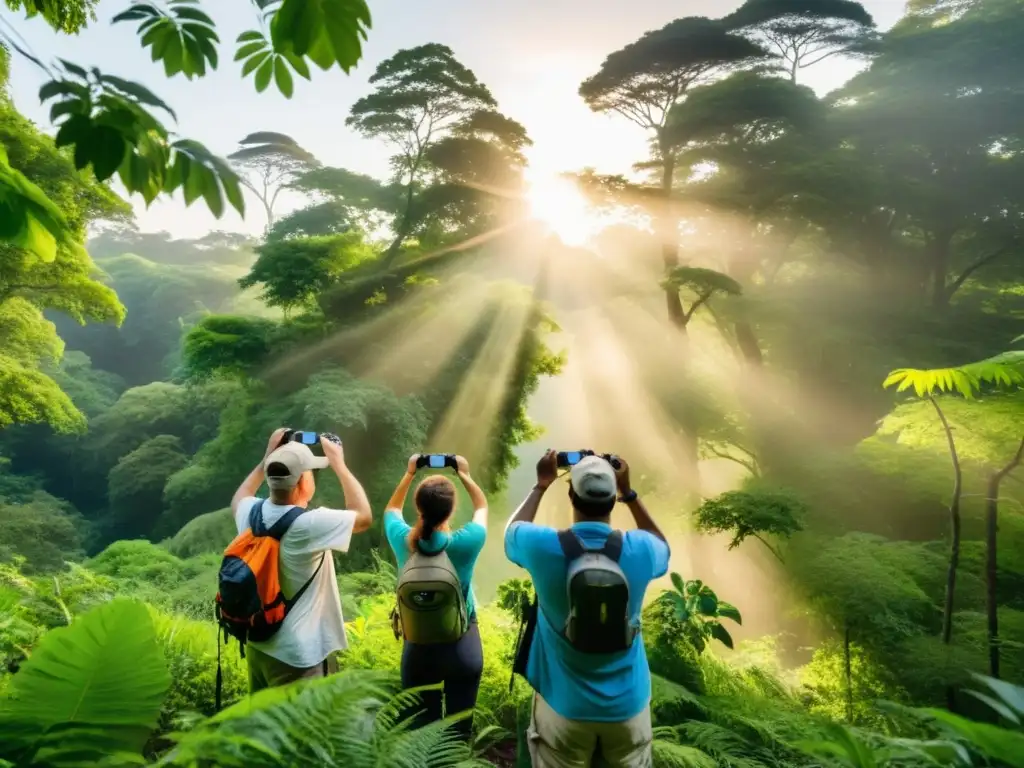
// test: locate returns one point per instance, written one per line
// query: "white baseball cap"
(593, 479)
(297, 458)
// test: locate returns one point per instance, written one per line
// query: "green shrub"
(209, 533)
(669, 653)
(190, 649)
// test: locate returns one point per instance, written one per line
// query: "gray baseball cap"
(593, 479)
(297, 458)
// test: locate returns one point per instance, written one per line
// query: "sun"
(558, 203)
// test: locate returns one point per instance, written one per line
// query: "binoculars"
(437, 461)
(569, 458)
(307, 438)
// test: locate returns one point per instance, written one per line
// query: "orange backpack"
(250, 603)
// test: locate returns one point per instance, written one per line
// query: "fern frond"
(1004, 370)
(668, 754)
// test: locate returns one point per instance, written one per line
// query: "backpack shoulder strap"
(280, 528)
(289, 602)
(613, 546)
(256, 519)
(572, 547)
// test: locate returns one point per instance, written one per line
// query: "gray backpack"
(431, 602)
(598, 592)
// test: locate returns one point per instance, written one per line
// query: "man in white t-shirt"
(314, 628)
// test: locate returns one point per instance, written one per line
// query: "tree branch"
(955, 286)
(1014, 463)
(701, 300)
(770, 548)
(750, 466)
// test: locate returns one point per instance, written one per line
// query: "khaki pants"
(556, 742)
(267, 672)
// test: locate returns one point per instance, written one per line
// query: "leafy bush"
(201, 535)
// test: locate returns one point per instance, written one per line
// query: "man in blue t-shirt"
(586, 705)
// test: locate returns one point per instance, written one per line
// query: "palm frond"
(1004, 370)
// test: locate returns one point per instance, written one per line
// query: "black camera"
(437, 461)
(570, 458)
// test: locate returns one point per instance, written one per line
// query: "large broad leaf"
(1010, 703)
(729, 611)
(28, 218)
(994, 742)
(88, 691)
(721, 634)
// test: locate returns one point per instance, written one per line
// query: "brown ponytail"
(435, 502)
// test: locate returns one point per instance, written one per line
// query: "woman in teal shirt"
(458, 665)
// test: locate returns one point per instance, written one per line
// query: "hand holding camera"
(436, 461)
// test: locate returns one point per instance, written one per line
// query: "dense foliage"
(804, 330)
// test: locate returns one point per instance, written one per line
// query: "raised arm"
(641, 516)
(547, 473)
(251, 485)
(355, 497)
(475, 494)
(397, 501)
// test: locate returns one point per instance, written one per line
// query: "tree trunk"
(954, 520)
(746, 339)
(991, 560)
(848, 670)
(402, 230)
(669, 230)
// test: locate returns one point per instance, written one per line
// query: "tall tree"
(752, 130)
(292, 272)
(267, 163)
(421, 94)
(475, 176)
(805, 32)
(939, 113)
(364, 199)
(645, 80)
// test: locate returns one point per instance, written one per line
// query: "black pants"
(458, 665)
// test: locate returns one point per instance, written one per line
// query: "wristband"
(627, 497)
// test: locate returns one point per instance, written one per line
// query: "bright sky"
(533, 54)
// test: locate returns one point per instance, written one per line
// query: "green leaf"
(250, 36)
(994, 742)
(88, 690)
(721, 634)
(729, 611)
(255, 61)
(211, 193)
(708, 605)
(250, 48)
(677, 582)
(108, 149)
(263, 75)
(139, 92)
(233, 192)
(298, 64)
(193, 64)
(193, 14)
(1010, 695)
(283, 78)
